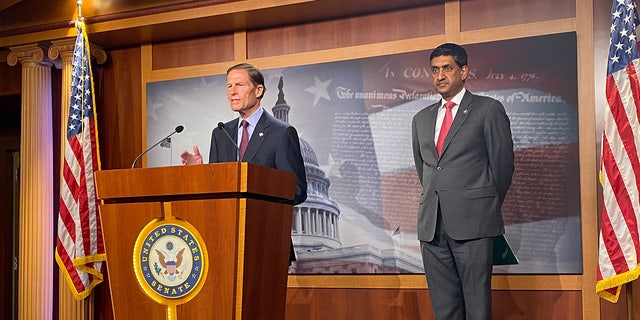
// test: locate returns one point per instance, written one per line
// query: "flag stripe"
(613, 238)
(625, 115)
(79, 246)
(623, 166)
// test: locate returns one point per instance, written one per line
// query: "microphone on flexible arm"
(221, 127)
(178, 129)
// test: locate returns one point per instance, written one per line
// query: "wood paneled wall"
(11, 77)
(479, 15)
(376, 28)
(420, 28)
(119, 101)
(413, 304)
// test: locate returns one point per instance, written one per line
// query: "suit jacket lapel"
(258, 136)
(431, 127)
(230, 149)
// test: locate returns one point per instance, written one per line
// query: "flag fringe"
(78, 295)
(79, 262)
(616, 283)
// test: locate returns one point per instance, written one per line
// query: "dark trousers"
(459, 275)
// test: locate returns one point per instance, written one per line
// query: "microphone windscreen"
(179, 129)
(221, 125)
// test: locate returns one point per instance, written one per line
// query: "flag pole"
(629, 300)
(87, 304)
(79, 3)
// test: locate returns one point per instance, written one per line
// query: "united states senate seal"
(170, 261)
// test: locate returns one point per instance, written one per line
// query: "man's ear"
(465, 72)
(259, 91)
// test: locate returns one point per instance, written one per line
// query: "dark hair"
(451, 49)
(255, 75)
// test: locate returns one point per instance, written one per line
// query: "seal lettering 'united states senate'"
(170, 260)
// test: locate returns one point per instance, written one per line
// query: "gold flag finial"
(79, 3)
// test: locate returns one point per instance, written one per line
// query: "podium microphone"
(178, 129)
(221, 127)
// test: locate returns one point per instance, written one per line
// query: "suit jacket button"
(439, 168)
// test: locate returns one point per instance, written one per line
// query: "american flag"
(79, 247)
(619, 246)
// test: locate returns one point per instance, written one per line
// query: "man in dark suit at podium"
(264, 140)
(463, 153)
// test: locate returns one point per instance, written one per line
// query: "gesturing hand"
(191, 158)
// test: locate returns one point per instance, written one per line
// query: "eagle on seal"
(170, 266)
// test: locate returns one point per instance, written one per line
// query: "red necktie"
(245, 139)
(446, 125)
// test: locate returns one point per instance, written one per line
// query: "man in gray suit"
(269, 141)
(465, 174)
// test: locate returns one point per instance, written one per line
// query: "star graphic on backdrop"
(319, 90)
(332, 168)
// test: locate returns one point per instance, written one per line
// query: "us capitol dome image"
(316, 225)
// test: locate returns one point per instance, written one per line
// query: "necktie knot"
(449, 105)
(245, 123)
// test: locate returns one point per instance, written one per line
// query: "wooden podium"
(245, 230)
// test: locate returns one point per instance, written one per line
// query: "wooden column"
(35, 253)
